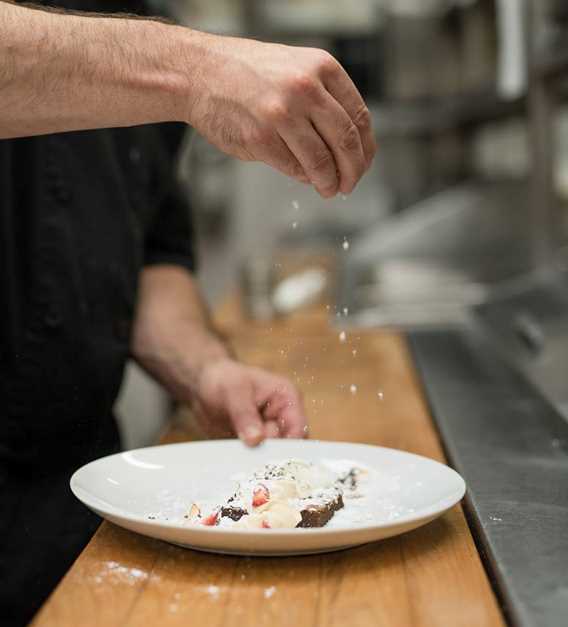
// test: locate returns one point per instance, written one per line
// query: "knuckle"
(293, 168)
(350, 140)
(304, 85)
(277, 113)
(362, 118)
(322, 162)
(326, 63)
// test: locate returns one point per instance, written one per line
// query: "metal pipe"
(545, 220)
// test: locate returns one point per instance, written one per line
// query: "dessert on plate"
(285, 494)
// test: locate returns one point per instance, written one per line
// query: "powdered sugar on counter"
(115, 572)
(213, 591)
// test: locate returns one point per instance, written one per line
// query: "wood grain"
(427, 578)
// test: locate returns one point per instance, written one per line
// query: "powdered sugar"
(274, 495)
(112, 572)
(369, 497)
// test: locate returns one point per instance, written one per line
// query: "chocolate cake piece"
(319, 515)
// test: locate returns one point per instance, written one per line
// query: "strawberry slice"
(265, 524)
(260, 495)
(211, 520)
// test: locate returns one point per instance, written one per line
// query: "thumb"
(246, 419)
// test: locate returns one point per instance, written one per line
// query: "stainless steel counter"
(512, 448)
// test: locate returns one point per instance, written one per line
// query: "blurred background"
(464, 207)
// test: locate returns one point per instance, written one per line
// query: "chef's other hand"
(294, 108)
(250, 402)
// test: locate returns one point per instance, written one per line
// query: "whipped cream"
(275, 494)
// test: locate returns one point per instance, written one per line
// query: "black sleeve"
(170, 237)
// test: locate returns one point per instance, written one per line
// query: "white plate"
(163, 482)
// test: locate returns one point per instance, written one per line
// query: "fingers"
(328, 130)
(271, 429)
(246, 418)
(277, 154)
(282, 405)
(313, 154)
(293, 421)
(341, 87)
(342, 136)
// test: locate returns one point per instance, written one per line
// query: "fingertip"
(298, 431)
(327, 193)
(347, 188)
(252, 435)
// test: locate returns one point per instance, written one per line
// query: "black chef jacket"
(80, 215)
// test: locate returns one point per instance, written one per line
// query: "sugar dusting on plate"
(371, 500)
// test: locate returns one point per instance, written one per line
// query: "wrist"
(179, 63)
(194, 66)
(179, 356)
(206, 351)
(163, 72)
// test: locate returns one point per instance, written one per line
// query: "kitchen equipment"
(299, 290)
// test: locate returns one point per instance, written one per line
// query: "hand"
(230, 397)
(294, 108)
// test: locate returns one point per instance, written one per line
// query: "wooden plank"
(431, 576)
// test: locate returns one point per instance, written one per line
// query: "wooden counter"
(431, 577)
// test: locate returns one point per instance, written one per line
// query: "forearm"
(173, 340)
(173, 337)
(61, 72)
(293, 108)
